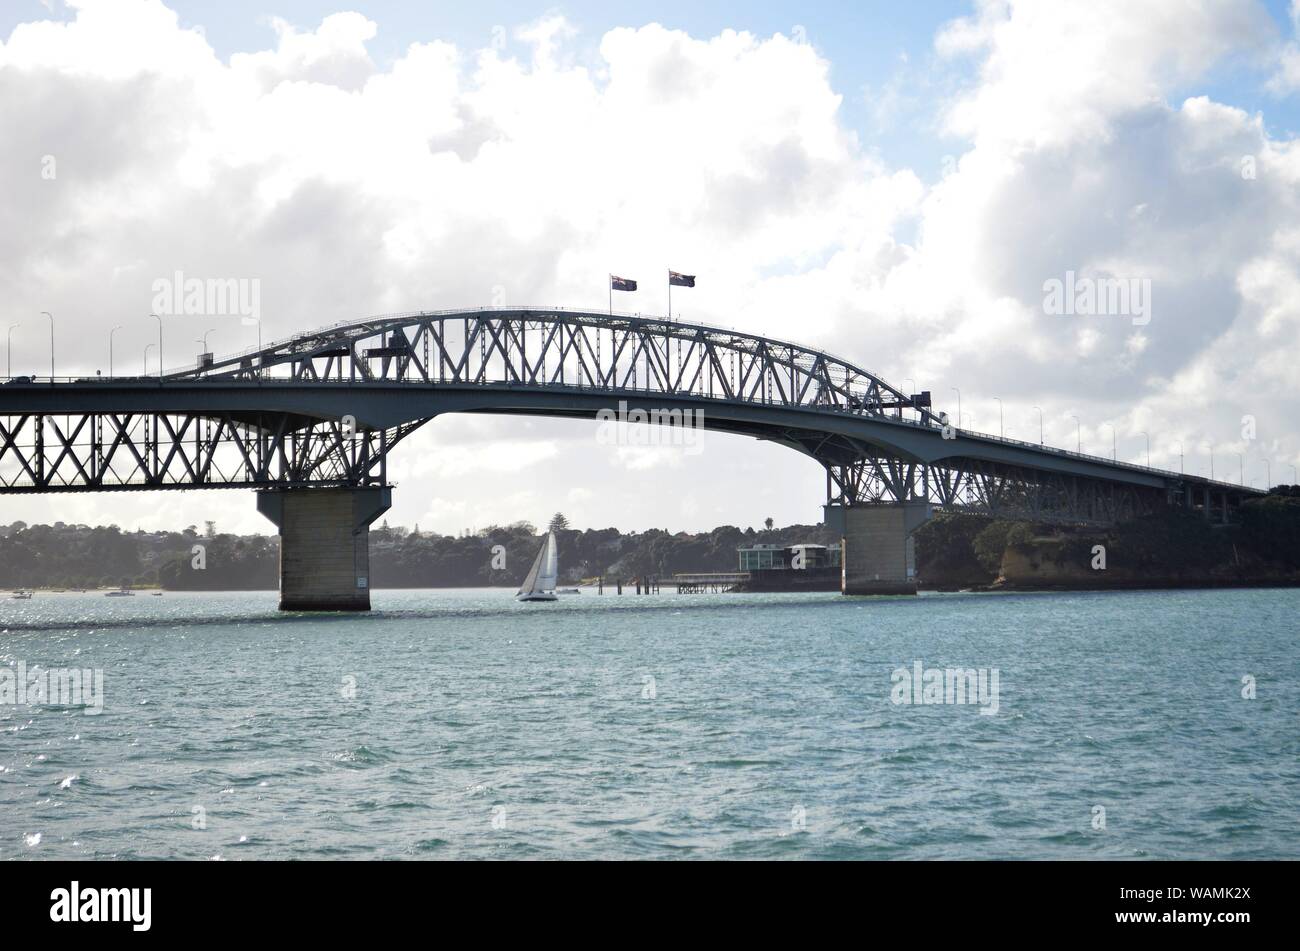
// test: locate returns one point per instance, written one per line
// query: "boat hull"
(539, 596)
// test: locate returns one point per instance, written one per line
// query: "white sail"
(539, 583)
(550, 564)
(530, 580)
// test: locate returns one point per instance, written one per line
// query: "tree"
(768, 523)
(558, 522)
(991, 544)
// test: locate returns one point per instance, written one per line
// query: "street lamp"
(1148, 438)
(1180, 458)
(258, 321)
(1078, 433)
(1268, 474)
(1241, 474)
(51, 316)
(110, 349)
(9, 351)
(1002, 430)
(1210, 449)
(147, 348)
(160, 349)
(1114, 443)
(1040, 424)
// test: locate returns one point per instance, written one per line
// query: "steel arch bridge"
(325, 408)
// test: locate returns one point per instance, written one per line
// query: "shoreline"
(1134, 585)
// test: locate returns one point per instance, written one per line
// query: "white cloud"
(1286, 77)
(352, 188)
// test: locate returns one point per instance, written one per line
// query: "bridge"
(309, 423)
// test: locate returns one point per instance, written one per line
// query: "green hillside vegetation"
(79, 556)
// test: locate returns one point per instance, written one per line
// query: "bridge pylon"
(324, 544)
(878, 556)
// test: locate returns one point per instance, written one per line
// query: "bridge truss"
(96, 452)
(618, 354)
(984, 488)
(185, 429)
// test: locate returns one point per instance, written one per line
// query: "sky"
(897, 184)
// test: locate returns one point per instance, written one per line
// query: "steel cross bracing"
(575, 349)
(984, 488)
(281, 415)
(102, 451)
(563, 350)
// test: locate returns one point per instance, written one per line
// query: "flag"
(621, 283)
(681, 280)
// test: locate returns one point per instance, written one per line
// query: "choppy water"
(484, 728)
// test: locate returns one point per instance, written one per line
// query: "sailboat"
(539, 584)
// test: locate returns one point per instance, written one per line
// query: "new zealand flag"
(681, 280)
(621, 283)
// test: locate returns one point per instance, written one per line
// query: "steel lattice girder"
(983, 488)
(568, 348)
(276, 415)
(102, 451)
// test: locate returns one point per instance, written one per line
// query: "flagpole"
(670, 296)
(610, 282)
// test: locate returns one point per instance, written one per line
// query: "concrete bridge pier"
(324, 544)
(878, 556)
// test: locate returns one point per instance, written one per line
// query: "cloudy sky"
(895, 187)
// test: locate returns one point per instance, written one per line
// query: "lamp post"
(110, 349)
(1241, 475)
(145, 371)
(1078, 434)
(9, 351)
(160, 349)
(1040, 424)
(1180, 458)
(1211, 451)
(1268, 474)
(1148, 438)
(1114, 443)
(51, 316)
(259, 347)
(1002, 430)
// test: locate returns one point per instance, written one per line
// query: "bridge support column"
(324, 545)
(877, 554)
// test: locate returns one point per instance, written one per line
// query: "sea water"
(461, 724)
